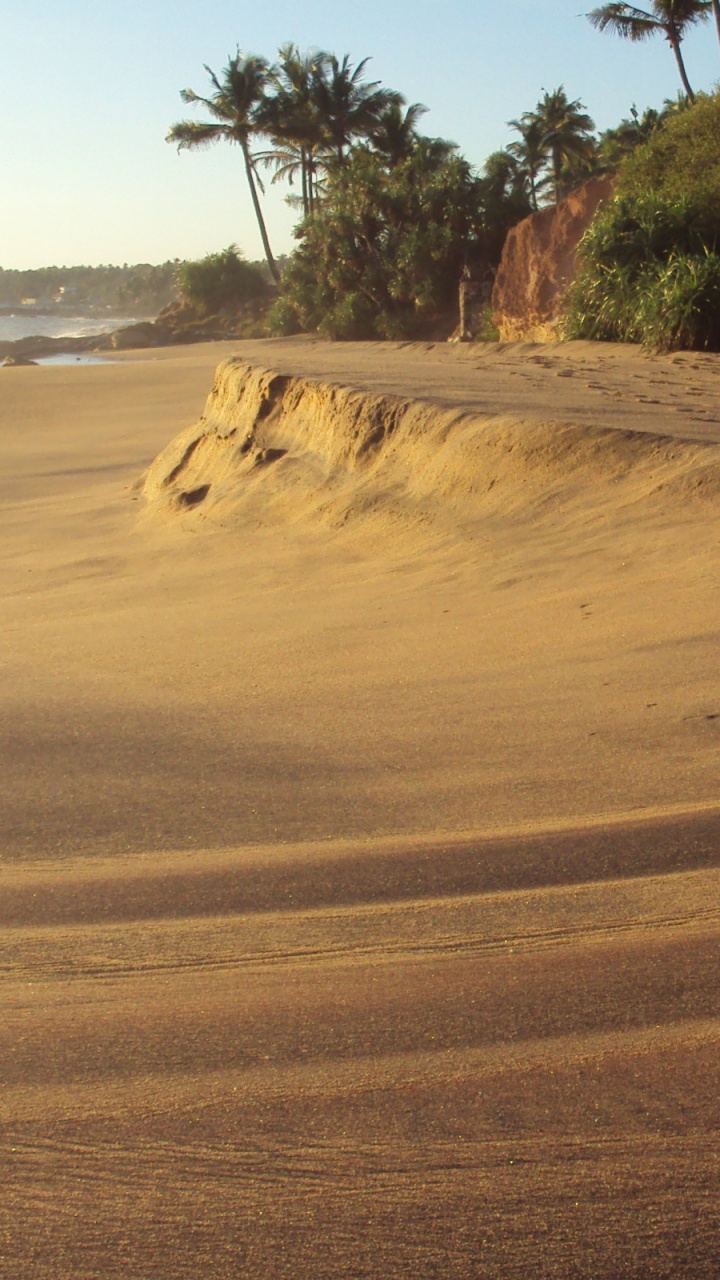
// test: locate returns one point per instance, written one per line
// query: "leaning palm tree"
(346, 106)
(671, 17)
(238, 94)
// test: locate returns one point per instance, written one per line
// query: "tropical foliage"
(615, 144)
(556, 149)
(389, 218)
(311, 106)
(219, 281)
(683, 158)
(384, 253)
(651, 262)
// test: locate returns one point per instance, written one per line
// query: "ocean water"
(21, 325)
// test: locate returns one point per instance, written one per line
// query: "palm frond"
(624, 20)
(193, 134)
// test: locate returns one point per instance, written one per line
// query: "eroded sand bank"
(360, 826)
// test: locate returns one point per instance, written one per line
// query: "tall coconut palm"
(673, 18)
(347, 107)
(567, 135)
(290, 116)
(237, 95)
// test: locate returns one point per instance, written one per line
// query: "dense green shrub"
(681, 158)
(220, 282)
(650, 263)
(383, 255)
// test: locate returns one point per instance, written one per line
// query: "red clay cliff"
(538, 262)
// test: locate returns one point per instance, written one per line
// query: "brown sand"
(360, 815)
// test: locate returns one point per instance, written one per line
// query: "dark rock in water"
(144, 334)
(38, 347)
(539, 261)
(12, 361)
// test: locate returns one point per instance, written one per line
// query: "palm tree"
(567, 135)
(504, 200)
(615, 144)
(530, 152)
(394, 135)
(234, 104)
(291, 118)
(671, 17)
(346, 107)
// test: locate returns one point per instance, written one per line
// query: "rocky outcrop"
(176, 325)
(539, 261)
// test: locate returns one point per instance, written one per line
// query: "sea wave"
(21, 324)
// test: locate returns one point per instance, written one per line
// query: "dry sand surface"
(360, 815)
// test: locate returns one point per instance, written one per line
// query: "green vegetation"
(557, 149)
(650, 268)
(681, 159)
(220, 282)
(319, 106)
(391, 220)
(383, 255)
(141, 290)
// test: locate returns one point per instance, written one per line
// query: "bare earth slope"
(360, 815)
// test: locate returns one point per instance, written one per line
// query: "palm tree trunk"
(311, 184)
(716, 11)
(557, 167)
(258, 214)
(675, 46)
(304, 171)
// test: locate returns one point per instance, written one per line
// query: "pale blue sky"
(88, 89)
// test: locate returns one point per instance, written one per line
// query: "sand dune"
(269, 442)
(360, 815)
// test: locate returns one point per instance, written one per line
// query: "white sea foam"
(21, 324)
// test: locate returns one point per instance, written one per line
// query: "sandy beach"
(360, 814)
